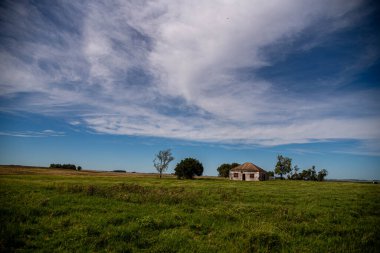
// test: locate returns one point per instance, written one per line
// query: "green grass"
(68, 213)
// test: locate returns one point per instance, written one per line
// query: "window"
(236, 174)
(252, 176)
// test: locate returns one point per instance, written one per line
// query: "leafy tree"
(270, 173)
(295, 175)
(79, 168)
(188, 168)
(312, 173)
(304, 175)
(162, 160)
(224, 169)
(309, 174)
(283, 166)
(322, 174)
(233, 165)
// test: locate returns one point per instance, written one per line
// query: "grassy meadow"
(67, 211)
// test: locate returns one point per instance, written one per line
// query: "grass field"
(67, 211)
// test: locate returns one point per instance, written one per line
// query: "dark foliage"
(321, 175)
(233, 165)
(310, 174)
(224, 169)
(64, 166)
(188, 168)
(120, 171)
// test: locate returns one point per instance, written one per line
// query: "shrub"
(188, 168)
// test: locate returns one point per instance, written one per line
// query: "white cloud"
(44, 133)
(193, 53)
(214, 131)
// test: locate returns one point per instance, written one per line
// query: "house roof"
(248, 167)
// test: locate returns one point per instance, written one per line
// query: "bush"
(188, 168)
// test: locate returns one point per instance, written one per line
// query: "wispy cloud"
(44, 133)
(184, 69)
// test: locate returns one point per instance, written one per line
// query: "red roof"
(248, 167)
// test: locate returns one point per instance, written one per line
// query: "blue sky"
(107, 84)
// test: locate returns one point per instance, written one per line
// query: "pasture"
(69, 211)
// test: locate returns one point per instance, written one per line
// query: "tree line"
(65, 166)
(284, 168)
(190, 167)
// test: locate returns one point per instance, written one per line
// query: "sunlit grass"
(86, 212)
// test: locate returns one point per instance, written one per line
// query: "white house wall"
(247, 176)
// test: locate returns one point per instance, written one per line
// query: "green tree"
(188, 168)
(313, 173)
(304, 175)
(309, 174)
(322, 174)
(295, 175)
(162, 160)
(233, 165)
(283, 166)
(270, 173)
(224, 169)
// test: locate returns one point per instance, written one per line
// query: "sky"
(108, 84)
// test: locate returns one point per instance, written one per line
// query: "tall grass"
(145, 214)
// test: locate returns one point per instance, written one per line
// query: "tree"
(283, 166)
(309, 174)
(304, 175)
(188, 168)
(295, 175)
(322, 174)
(313, 173)
(162, 160)
(224, 169)
(233, 165)
(270, 173)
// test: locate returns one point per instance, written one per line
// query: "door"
(243, 177)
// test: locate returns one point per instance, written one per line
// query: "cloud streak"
(185, 70)
(33, 134)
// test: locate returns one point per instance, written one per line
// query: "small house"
(248, 172)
